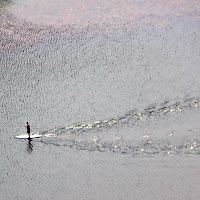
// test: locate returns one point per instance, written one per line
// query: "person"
(28, 129)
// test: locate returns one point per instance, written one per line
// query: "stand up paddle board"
(27, 137)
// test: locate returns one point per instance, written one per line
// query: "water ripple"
(130, 118)
(85, 136)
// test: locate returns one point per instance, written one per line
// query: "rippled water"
(96, 85)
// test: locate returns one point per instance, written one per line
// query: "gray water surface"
(120, 87)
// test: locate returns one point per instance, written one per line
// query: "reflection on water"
(131, 68)
(98, 11)
(29, 146)
(5, 3)
(9, 4)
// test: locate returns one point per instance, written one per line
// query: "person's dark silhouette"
(28, 129)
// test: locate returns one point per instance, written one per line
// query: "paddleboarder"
(28, 129)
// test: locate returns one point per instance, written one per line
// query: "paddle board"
(25, 136)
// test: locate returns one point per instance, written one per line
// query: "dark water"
(121, 86)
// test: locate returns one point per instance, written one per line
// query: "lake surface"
(113, 87)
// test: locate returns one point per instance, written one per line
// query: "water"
(109, 87)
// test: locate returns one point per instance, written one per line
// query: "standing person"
(28, 129)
